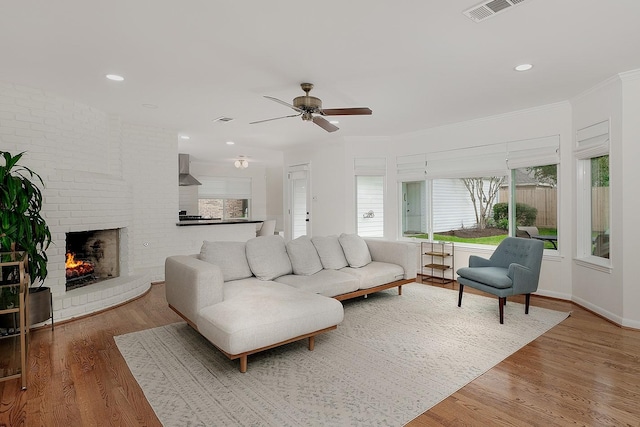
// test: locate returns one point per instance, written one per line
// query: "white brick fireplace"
(99, 173)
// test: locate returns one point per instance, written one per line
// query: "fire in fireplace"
(77, 269)
(92, 256)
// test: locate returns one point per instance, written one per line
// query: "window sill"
(595, 263)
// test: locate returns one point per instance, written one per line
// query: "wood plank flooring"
(586, 371)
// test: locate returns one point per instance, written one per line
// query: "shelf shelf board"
(439, 254)
(437, 266)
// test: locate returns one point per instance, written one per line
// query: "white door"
(299, 197)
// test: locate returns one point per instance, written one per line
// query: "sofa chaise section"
(245, 316)
(267, 315)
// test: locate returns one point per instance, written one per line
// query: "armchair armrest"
(523, 278)
(192, 284)
(403, 254)
(476, 261)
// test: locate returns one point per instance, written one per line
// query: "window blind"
(592, 141)
(412, 167)
(487, 160)
(370, 166)
(533, 152)
(224, 188)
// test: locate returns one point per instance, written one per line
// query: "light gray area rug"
(392, 358)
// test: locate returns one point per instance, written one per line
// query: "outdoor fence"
(545, 200)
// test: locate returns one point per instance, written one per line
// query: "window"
(223, 208)
(370, 206)
(599, 171)
(469, 197)
(224, 198)
(592, 155)
(463, 209)
(535, 196)
(370, 181)
(414, 209)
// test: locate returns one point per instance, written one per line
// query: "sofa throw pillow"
(355, 250)
(304, 257)
(229, 256)
(330, 252)
(267, 257)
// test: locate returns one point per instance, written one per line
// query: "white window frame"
(531, 153)
(591, 142)
(370, 166)
(495, 159)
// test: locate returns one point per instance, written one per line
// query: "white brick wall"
(99, 172)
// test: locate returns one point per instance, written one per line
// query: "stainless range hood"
(184, 178)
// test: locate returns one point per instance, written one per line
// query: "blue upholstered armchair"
(513, 269)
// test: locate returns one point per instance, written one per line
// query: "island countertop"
(215, 222)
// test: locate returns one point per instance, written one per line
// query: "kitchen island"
(216, 222)
(194, 232)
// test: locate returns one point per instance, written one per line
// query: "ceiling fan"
(310, 109)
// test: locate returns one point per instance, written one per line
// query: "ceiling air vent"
(222, 119)
(488, 9)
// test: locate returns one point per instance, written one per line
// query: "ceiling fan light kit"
(241, 164)
(306, 106)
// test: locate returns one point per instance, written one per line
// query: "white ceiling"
(415, 63)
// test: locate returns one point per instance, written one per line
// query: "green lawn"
(491, 240)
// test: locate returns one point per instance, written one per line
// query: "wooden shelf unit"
(437, 262)
(14, 312)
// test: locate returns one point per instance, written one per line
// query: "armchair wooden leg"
(501, 301)
(460, 295)
(527, 300)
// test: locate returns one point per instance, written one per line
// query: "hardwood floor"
(585, 371)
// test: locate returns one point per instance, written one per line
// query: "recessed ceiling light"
(114, 77)
(185, 137)
(150, 106)
(523, 67)
(230, 142)
(334, 122)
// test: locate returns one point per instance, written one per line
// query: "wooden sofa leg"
(400, 290)
(527, 300)
(243, 363)
(501, 302)
(460, 295)
(312, 342)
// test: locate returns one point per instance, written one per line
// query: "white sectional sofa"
(249, 297)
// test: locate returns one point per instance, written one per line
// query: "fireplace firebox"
(91, 256)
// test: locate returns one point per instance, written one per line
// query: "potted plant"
(22, 226)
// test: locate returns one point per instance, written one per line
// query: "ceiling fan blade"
(360, 111)
(279, 101)
(324, 124)
(276, 118)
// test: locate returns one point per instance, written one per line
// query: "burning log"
(77, 268)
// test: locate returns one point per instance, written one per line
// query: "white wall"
(275, 199)
(629, 251)
(598, 288)
(327, 186)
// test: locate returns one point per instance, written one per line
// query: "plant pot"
(40, 305)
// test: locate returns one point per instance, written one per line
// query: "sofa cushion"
(304, 257)
(376, 273)
(330, 252)
(229, 256)
(325, 282)
(355, 250)
(497, 276)
(267, 257)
